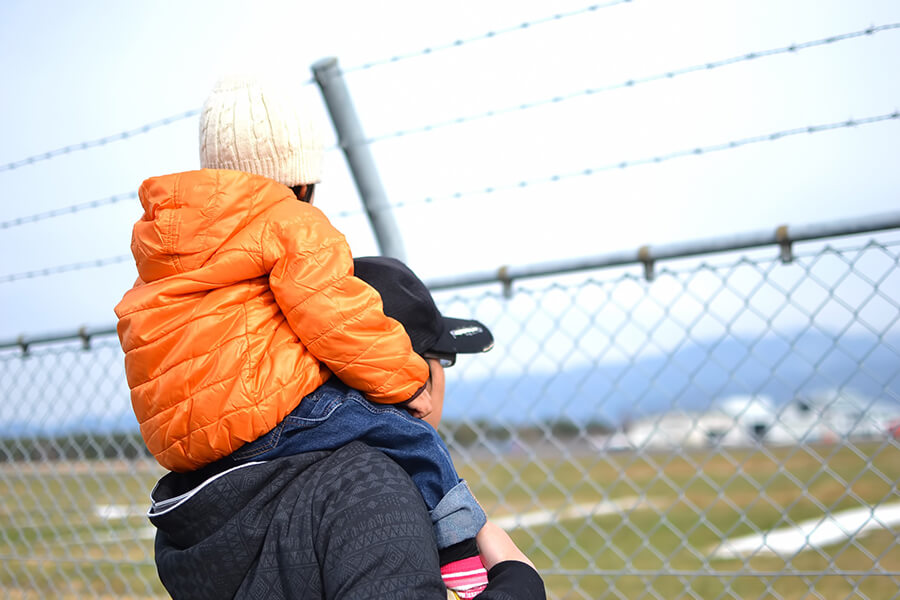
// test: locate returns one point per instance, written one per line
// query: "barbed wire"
(122, 135)
(630, 83)
(68, 210)
(587, 172)
(625, 164)
(706, 66)
(468, 118)
(486, 35)
(79, 266)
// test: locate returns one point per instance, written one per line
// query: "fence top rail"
(84, 334)
(782, 236)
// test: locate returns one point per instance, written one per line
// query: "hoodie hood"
(189, 216)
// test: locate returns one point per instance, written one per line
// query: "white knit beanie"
(246, 128)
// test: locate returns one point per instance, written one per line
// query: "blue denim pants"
(335, 415)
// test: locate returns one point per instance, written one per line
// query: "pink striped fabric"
(466, 578)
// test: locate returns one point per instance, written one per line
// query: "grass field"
(53, 544)
(692, 500)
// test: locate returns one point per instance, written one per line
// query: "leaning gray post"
(359, 157)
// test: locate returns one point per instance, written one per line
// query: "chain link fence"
(723, 429)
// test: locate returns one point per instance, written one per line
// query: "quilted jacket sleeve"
(337, 316)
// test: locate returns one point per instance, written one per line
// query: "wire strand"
(68, 210)
(485, 36)
(79, 266)
(122, 135)
(630, 83)
(625, 164)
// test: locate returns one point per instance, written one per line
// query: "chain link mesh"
(724, 430)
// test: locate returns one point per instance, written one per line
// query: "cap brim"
(463, 336)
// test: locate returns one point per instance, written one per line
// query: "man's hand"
(421, 406)
(495, 546)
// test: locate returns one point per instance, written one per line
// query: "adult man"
(342, 524)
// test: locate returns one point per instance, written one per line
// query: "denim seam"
(275, 433)
(271, 443)
(334, 404)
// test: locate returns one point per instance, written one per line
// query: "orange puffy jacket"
(245, 302)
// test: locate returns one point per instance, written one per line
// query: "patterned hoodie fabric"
(343, 525)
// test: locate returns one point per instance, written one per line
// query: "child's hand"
(421, 406)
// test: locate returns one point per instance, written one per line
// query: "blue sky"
(81, 71)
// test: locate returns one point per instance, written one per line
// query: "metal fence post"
(352, 141)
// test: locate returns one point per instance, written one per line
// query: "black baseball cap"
(407, 299)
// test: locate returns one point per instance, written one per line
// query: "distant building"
(759, 416)
(842, 413)
(756, 415)
(683, 429)
(824, 416)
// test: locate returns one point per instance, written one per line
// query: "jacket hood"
(188, 216)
